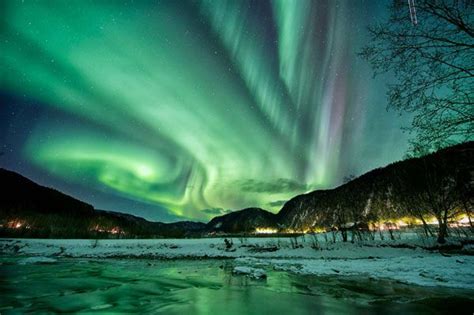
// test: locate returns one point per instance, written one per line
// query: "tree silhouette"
(435, 186)
(433, 64)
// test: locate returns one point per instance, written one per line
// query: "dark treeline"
(30, 210)
(19, 222)
(438, 185)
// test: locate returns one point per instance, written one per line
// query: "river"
(206, 287)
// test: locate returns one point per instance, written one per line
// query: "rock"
(254, 273)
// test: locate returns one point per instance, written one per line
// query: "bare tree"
(465, 182)
(407, 202)
(340, 221)
(431, 187)
(433, 64)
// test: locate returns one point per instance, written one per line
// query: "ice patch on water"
(37, 260)
(101, 307)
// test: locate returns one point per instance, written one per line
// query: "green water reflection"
(205, 287)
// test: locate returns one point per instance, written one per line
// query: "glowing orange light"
(115, 230)
(15, 224)
(266, 231)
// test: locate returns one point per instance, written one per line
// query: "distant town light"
(115, 230)
(460, 221)
(402, 223)
(100, 229)
(15, 224)
(266, 231)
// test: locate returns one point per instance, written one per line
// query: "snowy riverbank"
(403, 260)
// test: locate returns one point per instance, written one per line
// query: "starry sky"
(177, 110)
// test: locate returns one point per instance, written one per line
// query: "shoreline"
(401, 260)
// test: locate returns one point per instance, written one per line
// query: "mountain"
(31, 210)
(243, 221)
(136, 226)
(414, 187)
(437, 185)
(18, 193)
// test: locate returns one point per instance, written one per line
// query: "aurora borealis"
(186, 109)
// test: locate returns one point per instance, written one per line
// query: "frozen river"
(206, 287)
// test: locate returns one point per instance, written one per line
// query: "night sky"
(185, 109)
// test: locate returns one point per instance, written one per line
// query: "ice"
(101, 307)
(37, 260)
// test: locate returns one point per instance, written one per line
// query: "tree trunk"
(344, 235)
(426, 227)
(442, 233)
(443, 227)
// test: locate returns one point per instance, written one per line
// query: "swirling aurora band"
(190, 108)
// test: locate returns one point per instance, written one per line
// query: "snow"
(426, 270)
(404, 260)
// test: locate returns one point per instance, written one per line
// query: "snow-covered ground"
(403, 259)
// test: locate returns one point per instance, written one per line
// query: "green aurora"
(185, 109)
